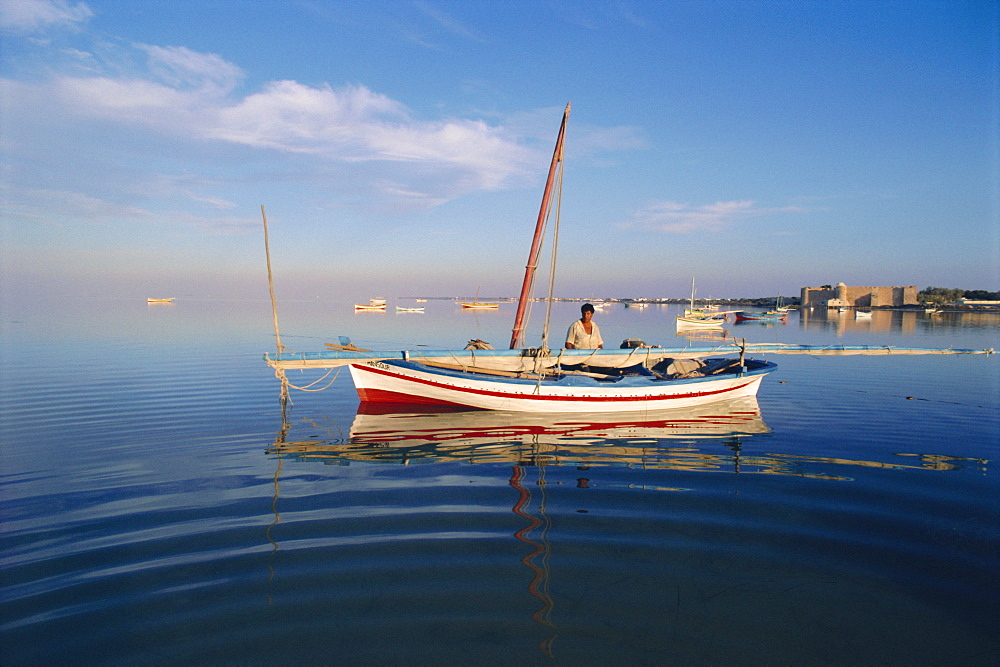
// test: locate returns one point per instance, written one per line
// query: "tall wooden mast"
(517, 335)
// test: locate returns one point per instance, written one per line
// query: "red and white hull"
(408, 382)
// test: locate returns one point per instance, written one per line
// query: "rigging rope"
(270, 284)
(552, 265)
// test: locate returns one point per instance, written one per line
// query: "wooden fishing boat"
(768, 316)
(700, 322)
(160, 300)
(568, 388)
(476, 304)
(709, 317)
(375, 304)
(402, 309)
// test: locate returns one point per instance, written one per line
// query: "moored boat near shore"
(699, 322)
(376, 304)
(570, 388)
(768, 316)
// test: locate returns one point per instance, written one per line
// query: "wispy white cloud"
(678, 218)
(293, 117)
(181, 67)
(449, 22)
(50, 206)
(364, 145)
(56, 208)
(31, 15)
(191, 95)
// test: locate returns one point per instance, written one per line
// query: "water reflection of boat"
(665, 439)
(710, 438)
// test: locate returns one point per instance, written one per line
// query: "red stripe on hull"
(383, 396)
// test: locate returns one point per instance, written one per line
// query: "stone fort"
(859, 297)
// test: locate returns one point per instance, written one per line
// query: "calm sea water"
(161, 505)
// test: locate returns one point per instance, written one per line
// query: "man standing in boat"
(583, 334)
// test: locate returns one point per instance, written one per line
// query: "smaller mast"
(517, 335)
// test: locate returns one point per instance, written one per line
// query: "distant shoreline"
(753, 302)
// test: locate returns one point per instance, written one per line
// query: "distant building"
(859, 297)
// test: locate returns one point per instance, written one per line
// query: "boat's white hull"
(700, 323)
(378, 381)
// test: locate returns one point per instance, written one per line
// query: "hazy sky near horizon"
(400, 148)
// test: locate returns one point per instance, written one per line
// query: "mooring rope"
(280, 374)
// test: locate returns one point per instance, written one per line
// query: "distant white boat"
(476, 305)
(160, 300)
(376, 304)
(862, 315)
(401, 309)
(709, 317)
(696, 322)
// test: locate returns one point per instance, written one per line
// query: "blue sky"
(400, 148)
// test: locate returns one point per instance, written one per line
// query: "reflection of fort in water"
(899, 321)
(844, 322)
